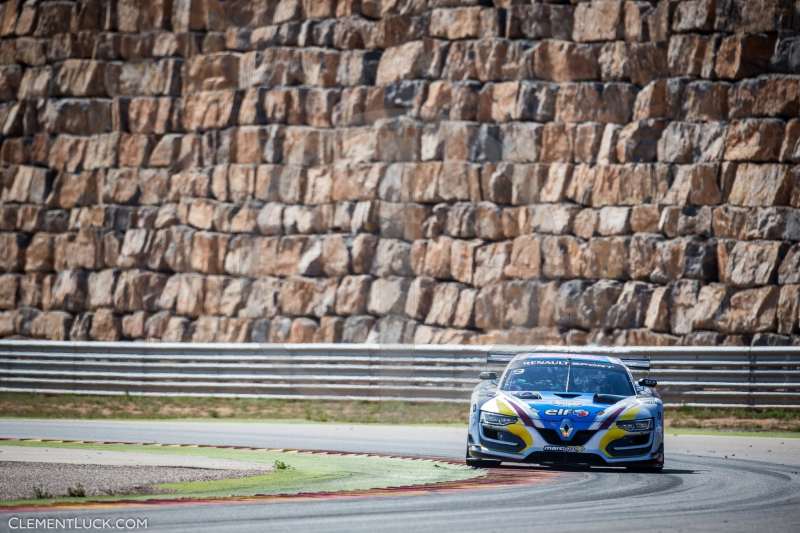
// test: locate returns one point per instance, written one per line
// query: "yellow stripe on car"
(517, 428)
(614, 432)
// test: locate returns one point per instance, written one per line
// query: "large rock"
(585, 305)
(69, 291)
(762, 185)
(695, 185)
(443, 304)
(521, 303)
(684, 257)
(594, 102)
(387, 296)
(462, 260)
(308, 296)
(684, 142)
(691, 54)
(414, 60)
(630, 310)
(565, 61)
(357, 328)
(51, 325)
(754, 140)
(208, 252)
(751, 311)
(601, 20)
(9, 284)
(765, 96)
(789, 270)
(490, 263)
(790, 149)
(657, 316)
(105, 326)
(101, 288)
(213, 72)
(420, 298)
(562, 257)
(743, 56)
(526, 258)
(490, 307)
(789, 309)
(80, 77)
(638, 141)
(695, 15)
(749, 264)
(437, 258)
(683, 304)
(137, 290)
(144, 78)
(461, 23)
(487, 59)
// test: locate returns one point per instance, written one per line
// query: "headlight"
(635, 426)
(497, 420)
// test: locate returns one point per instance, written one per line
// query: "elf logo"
(566, 412)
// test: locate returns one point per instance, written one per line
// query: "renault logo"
(566, 429)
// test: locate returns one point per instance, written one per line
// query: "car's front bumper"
(610, 446)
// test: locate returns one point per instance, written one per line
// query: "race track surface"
(756, 488)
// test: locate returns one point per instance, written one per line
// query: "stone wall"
(612, 172)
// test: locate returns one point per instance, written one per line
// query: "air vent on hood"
(567, 394)
(607, 398)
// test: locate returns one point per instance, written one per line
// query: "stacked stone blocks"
(427, 171)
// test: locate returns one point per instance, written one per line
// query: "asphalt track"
(710, 484)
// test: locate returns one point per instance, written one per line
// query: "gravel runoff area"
(21, 480)
(35, 473)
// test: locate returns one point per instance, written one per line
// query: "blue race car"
(573, 409)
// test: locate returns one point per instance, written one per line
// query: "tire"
(651, 466)
(481, 463)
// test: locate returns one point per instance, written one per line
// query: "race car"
(573, 409)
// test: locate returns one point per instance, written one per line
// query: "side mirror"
(488, 376)
(648, 382)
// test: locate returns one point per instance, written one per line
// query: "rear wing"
(637, 364)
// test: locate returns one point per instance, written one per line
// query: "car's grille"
(578, 439)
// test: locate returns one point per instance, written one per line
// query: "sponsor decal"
(566, 403)
(592, 365)
(548, 362)
(564, 449)
(567, 362)
(566, 412)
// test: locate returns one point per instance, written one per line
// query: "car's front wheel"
(481, 463)
(656, 465)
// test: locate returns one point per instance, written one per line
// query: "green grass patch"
(301, 472)
(792, 415)
(25, 405)
(733, 433)
(742, 420)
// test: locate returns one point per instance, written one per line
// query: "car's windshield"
(565, 375)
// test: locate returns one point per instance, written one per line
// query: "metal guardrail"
(698, 376)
